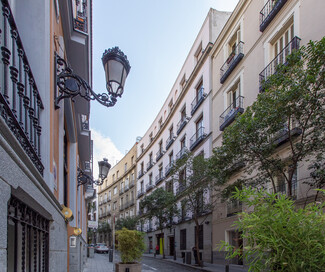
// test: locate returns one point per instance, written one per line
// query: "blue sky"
(156, 36)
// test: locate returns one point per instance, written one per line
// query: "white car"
(101, 248)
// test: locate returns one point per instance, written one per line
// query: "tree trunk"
(197, 232)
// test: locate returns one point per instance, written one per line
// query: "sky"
(156, 36)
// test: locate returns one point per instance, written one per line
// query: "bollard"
(110, 255)
(227, 268)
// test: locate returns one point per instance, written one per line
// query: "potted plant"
(131, 247)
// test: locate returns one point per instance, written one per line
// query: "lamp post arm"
(71, 85)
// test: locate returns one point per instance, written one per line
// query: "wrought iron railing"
(160, 177)
(20, 102)
(149, 164)
(159, 154)
(197, 100)
(181, 188)
(281, 58)
(121, 191)
(140, 192)
(132, 182)
(81, 20)
(268, 12)
(140, 173)
(181, 153)
(169, 168)
(234, 207)
(149, 187)
(234, 58)
(170, 140)
(198, 136)
(229, 115)
(181, 124)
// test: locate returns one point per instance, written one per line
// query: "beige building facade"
(253, 41)
(117, 195)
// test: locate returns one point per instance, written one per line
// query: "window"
(151, 137)
(125, 167)
(199, 126)
(281, 41)
(233, 95)
(183, 82)
(160, 122)
(169, 187)
(109, 195)
(132, 160)
(183, 142)
(150, 179)
(114, 206)
(170, 106)
(150, 158)
(121, 185)
(115, 190)
(142, 148)
(233, 42)
(183, 113)
(199, 90)
(170, 158)
(198, 53)
(141, 186)
(171, 132)
(200, 236)
(160, 144)
(117, 172)
(160, 169)
(182, 241)
(113, 177)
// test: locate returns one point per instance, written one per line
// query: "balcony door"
(280, 44)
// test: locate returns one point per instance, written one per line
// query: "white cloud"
(103, 147)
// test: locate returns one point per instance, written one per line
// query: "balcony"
(269, 11)
(121, 191)
(181, 124)
(109, 198)
(197, 138)
(149, 165)
(234, 58)
(132, 182)
(20, 102)
(108, 213)
(140, 173)
(181, 188)
(168, 168)
(80, 23)
(281, 58)
(122, 207)
(159, 155)
(126, 188)
(170, 140)
(229, 115)
(131, 202)
(159, 178)
(282, 136)
(283, 189)
(198, 100)
(140, 193)
(234, 207)
(182, 153)
(149, 187)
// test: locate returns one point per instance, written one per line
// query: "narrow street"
(150, 264)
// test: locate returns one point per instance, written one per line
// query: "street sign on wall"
(92, 224)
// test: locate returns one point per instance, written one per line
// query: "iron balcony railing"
(160, 177)
(229, 115)
(149, 187)
(126, 187)
(20, 102)
(140, 193)
(197, 138)
(81, 20)
(181, 188)
(131, 202)
(269, 11)
(132, 182)
(281, 58)
(198, 100)
(182, 153)
(283, 189)
(159, 154)
(181, 124)
(121, 191)
(140, 173)
(169, 168)
(170, 140)
(109, 199)
(234, 58)
(149, 164)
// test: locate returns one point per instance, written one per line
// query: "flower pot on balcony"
(133, 267)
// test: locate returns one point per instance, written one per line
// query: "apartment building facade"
(257, 37)
(182, 125)
(117, 195)
(44, 218)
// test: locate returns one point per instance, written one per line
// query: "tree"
(290, 111)
(129, 223)
(278, 236)
(105, 228)
(194, 190)
(161, 206)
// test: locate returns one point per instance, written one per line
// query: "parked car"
(101, 248)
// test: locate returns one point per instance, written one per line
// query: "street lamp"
(84, 178)
(70, 85)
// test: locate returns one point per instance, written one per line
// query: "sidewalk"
(207, 266)
(100, 263)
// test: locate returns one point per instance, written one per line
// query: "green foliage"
(130, 245)
(129, 223)
(161, 205)
(290, 108)
(277, 235)
(104, 227)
